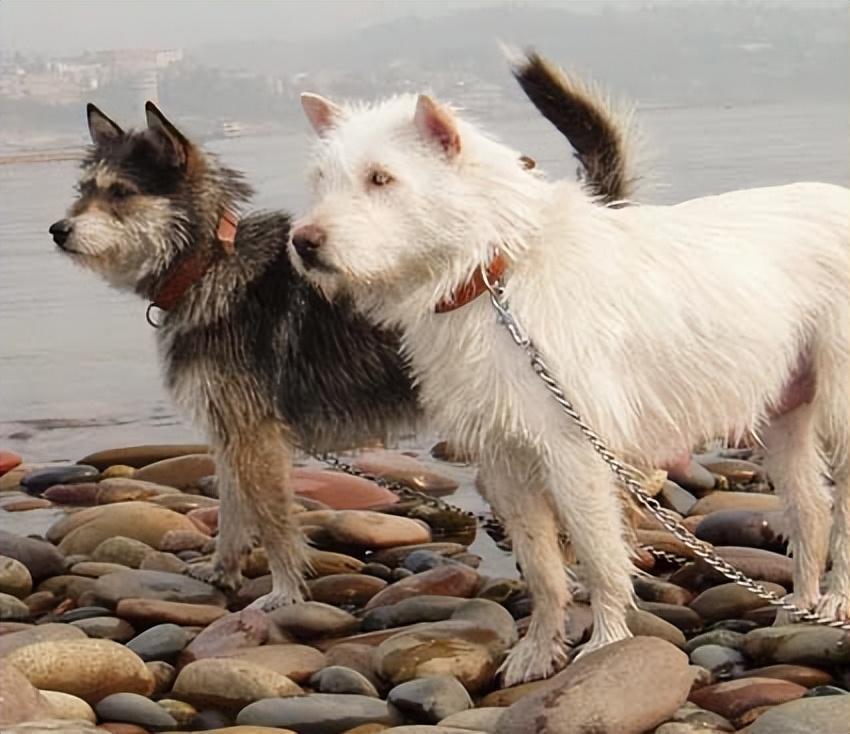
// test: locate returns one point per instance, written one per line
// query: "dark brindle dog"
(259, 366)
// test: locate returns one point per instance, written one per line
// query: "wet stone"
(162, 642)
(40, 558)
(318, 713)
(723, 637)
(453, 580)
(106, 628)
(139, 456)
(155, 610)
(339, 679)
(428, 700)
(828, 715)
(803, 675)
(747, 528)
(74, 615)
(393, 557)
(313, 619)
(730, 600)
(799, 644)
(159, 585)
(15, 578)
(673, 497)
(182, 472)
(37, 481)
(134, 709)
(426, 608)
(722, 662)
(296, 662)
(230, 634)
(345, 589)
(732, 699)
(396, 467)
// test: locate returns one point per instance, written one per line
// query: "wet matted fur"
(260, 360)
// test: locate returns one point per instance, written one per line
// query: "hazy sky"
(57, 27)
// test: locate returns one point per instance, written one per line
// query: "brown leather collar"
(475, 286)
(191, 269)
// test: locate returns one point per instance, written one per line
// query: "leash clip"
(149, 318)
(497, 293)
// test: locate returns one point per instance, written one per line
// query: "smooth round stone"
(181, 472)
(341, 491)
(425, 560)
(754, 562)
(339, 679)
(59, 726)
(75, 615)
(30, 635)
(229, 684)
(15, 578)
(818, 691)
(296, 662)
(799, 644)
(155, 610)
(692, 476)
(230, 634)
(68, 586)
(730, 600)
(484, 719)
(379, 570)
(452, 580)
(24, 504)
(736, 501)
(827, 715)
(117, 471)
(627, 687)
(84, 493)
(396, 556)
(182, 712)
(319, 713)
(645, 624)
(162, 642)
(159, 585)
(734, 470)
(175, 541)
(374, 529)
(401, 573)
(734, 698)
(139, 456)
(801, 674)
(395, 467)
(673, 497)
(89, 669)
(66, 706)
(501, 590)
(358, 657)
(19, 699)
(650, 588)
(40, 558)
(722, 662)
(722, 637)
(37, 481)
(505, 697)
(428, 700)
(12, 609)
(163, 674)
(746, 528)
(41, 602)
(187, 504)
(8, 461)
(344, 589)
(684, 618)
(698, 718)
(106, 628)
(84, 531)
(325, 563)
(426, 608)
(134, 709)
(312, 619)
(159, 561)
(96, 569)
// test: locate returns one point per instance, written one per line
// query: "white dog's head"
(406, 193)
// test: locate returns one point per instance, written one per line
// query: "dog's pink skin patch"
(800, 390)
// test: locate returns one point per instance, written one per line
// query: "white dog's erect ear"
(323, 114)
(437, 124)
(182, 148)
(101, 128)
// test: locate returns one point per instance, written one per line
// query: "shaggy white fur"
(666, 325)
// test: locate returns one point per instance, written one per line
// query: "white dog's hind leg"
(531, 522)
(796, 467)
(835, 603)
(590, 507)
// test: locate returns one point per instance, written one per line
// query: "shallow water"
(78, 369)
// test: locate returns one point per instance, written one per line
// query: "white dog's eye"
(380, 178)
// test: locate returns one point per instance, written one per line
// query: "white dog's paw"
(215, 574)
(834, 605)
(530, 661)
(274, 599)
(603, 635)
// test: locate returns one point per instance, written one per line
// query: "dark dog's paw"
(214, 574)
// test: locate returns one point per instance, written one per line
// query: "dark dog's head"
(144, 197)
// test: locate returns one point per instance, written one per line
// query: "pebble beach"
(412, 609)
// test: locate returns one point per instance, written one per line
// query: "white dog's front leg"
(589, 505)
(523, 506)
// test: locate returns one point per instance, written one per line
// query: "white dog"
(666, 325)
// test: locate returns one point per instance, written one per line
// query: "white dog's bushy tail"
(603, 135)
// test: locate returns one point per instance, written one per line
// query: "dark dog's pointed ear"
(101, 128)
(180, 144)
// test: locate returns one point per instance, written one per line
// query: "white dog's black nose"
(307, 240)
(60, 231)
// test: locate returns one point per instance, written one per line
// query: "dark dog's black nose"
(60, 231)
(307, 239)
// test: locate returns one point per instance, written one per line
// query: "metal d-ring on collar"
(149, 318)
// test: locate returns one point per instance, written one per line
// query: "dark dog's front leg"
(260, 460)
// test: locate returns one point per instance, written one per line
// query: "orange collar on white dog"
(475, 286)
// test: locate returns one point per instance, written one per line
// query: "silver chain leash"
(700, 548)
